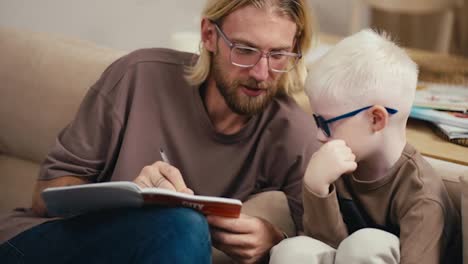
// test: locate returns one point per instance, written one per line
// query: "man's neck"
(224, 120)
(378, 164)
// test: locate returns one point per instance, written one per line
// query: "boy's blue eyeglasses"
(323, 124)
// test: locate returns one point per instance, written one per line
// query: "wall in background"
(334, 16)
(122, 24)
(132, 24)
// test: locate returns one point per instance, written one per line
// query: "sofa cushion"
(450, 173)
(19, 175)
(44, 78)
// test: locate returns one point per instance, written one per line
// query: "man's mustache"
(254, 84)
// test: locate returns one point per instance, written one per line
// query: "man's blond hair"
(297, 10)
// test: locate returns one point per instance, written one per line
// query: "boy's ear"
(379, 117)
(208, 35)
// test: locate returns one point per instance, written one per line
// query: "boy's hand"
(331, 161)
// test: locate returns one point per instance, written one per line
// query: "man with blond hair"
(369, 197)
(226, 121)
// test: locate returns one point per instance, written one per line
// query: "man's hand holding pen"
(162, 175)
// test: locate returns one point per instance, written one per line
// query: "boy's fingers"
(350, 166)
(351, 157)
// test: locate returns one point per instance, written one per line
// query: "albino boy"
(369, 197)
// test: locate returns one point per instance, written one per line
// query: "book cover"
(456, 119)
(442, 96)
(453, 132)
(79, 199)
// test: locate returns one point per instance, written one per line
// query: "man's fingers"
(221, 237)
(166, 185)
(242, 225)
(188, 191)
(162, 175)
(247, 239)
(239, 254)
(172, 174)
(240, 247)
(144, 179)
(143, 182)
(155, 176)
(243, 248)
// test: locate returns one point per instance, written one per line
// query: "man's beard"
(241, 103)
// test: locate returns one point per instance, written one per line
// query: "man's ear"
(208, 35)
(379, 117)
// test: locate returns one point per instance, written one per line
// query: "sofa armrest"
(272, 206)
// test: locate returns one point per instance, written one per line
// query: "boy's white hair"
(364, 69)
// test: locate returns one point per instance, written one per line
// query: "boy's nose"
(321, 136)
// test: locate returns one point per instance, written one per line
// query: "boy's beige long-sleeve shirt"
(410, 202)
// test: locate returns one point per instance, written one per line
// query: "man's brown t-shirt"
(142, 103)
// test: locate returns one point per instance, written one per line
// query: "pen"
(163, 156)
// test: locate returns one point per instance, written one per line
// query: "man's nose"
(260, 70)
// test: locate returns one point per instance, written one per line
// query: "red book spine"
(205, 207)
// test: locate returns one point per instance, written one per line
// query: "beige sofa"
(42, 81)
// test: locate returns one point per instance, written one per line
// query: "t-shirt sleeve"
(86, 145)
(298, 151)
(422, 233)
(322, 217)
(293, 190)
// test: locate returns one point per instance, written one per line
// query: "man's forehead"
(262, 26)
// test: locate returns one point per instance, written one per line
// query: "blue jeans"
(144, 235)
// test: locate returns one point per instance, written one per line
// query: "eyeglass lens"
(322, 125)
(248, 57)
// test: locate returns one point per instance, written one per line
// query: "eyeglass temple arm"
(218, 29)
(389, 110)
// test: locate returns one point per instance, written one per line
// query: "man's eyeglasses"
(246, 57)
(323, 123)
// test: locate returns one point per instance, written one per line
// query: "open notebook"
(79, 199)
